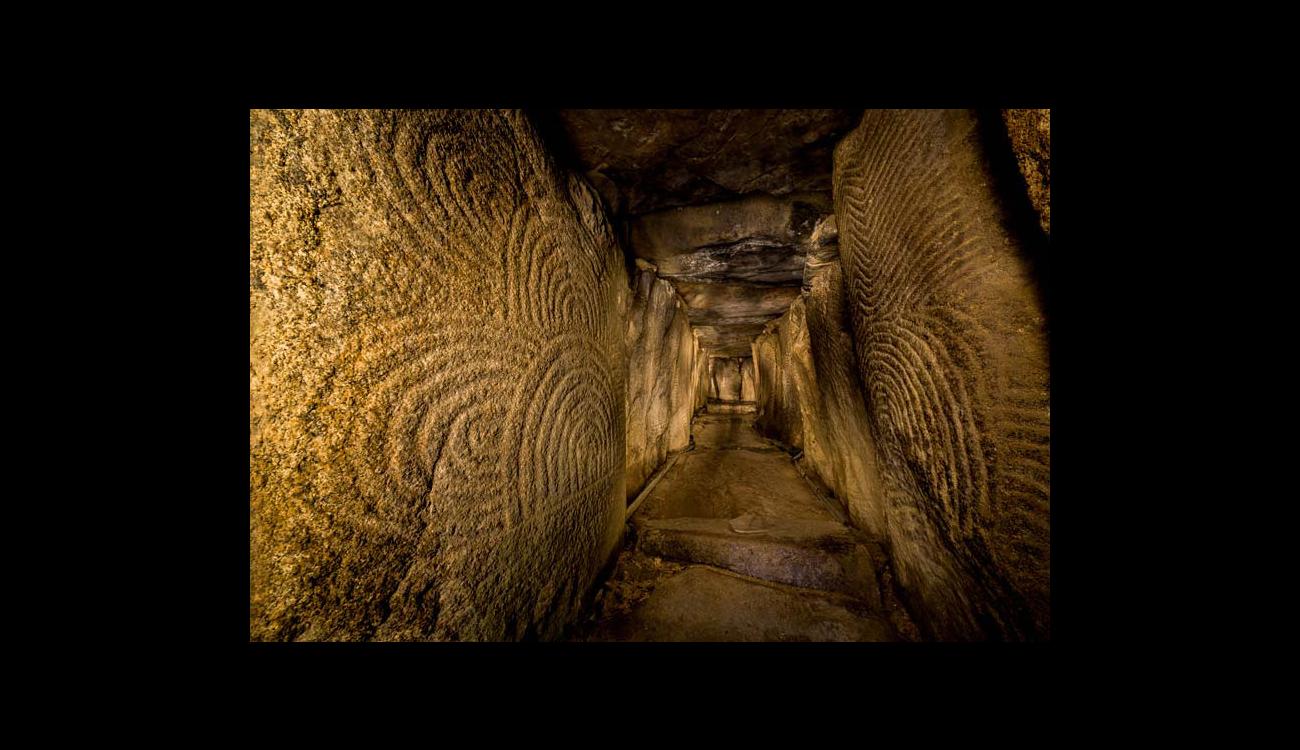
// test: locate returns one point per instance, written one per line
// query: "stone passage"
(731, 544)
(806, 350)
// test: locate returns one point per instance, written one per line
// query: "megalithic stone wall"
(661, 378)
(748, 387)
(728, 378)
(437, 379)
(950, 343)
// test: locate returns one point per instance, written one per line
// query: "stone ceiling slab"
(723, 304)
(728, 340)
(643, 160)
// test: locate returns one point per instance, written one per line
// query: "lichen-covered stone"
(437, 378)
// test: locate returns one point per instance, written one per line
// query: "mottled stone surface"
(839, 447)
(650, 159)
(823, 249)
(950, 343)
(1030, 131)
(725, 203)
(661, 354)
(437, 379)
(727, 481)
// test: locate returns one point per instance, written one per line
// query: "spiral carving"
(437, 361)
(949, 342)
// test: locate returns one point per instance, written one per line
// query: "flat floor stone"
(795, 573)
(704, 604)
(810, 554)
(730, 483)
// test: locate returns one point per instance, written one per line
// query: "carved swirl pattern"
(455, 359)
(949, 344)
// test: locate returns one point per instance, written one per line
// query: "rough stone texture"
(950, 344)
(730, 407)
(727, 340)
(839, 446)
(822, 249)
(703, 604)
(437, 379)
(1030, 131)
(729, 315)
(661, 366)
(738, 304)
(649, 159)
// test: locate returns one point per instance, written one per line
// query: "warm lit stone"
(437, 379)
(950, 343)
(661, 353)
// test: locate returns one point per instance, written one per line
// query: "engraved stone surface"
(950, 343)
(437, 379)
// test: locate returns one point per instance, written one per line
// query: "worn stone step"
(700, 603)
(731, 407)
(811, 554)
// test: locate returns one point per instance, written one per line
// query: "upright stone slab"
(950, 342)
(437, 374)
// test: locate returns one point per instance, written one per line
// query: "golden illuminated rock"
(437, 380)
(950, 343)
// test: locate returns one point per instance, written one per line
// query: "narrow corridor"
(649, 374)
(732, 544)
